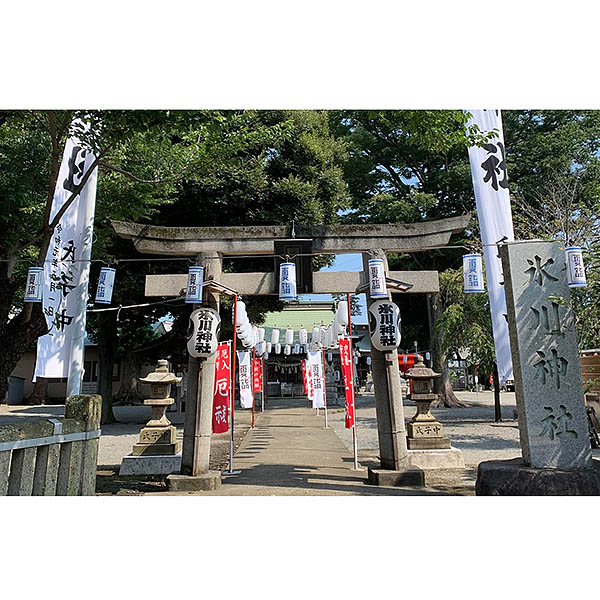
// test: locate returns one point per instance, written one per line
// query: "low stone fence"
(52, 457)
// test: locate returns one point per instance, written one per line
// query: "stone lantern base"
(424, 431)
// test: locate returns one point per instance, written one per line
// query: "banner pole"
(354, 439)
(324, 387)
(253, 394)
(262, 393)
(232, 389)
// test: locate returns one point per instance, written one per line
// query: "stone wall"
(52, 457)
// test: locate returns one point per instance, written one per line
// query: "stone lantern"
(158, 436)
(424, 430)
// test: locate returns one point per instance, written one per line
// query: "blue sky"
(343, 262)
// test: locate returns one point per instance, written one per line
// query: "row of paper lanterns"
(472, 276)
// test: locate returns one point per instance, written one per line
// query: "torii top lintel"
(259, 239)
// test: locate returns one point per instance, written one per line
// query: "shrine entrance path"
(290, 453)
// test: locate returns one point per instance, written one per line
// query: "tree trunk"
(128, 392)
(442, 385)
(107, 338)
(497, 407)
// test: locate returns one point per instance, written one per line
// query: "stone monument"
(158, 451)
(550, 402)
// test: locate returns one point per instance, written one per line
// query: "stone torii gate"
(209, 245)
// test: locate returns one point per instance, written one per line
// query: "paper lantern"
(316, 335)
(275, 336)
(369, 360)
(342, 313)
(384, 325)
(203, 332)
(35, 284)
(194, 285)
(287, 349)
(329, 357)
(473, 274)
(377, 285)
(575, 267)
(287, 281)
(106, 282)
(277, 348)
(241, 311)
(269, 346)
(303, 336)
(266, 356)
(296, 348)
(261, 334)
(289, 336)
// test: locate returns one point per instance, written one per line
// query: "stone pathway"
(290, 453)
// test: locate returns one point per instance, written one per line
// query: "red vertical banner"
(347, 375)
(304, 378)
(220, 419)
(257, 376)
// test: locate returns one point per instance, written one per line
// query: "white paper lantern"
(203, 332)
(194, 285)
(266, 356)
(287, 349)
(342, 313)
(275, 336)
(303, 336)
(269, 346)
(261, 334)
(369, 360)
(473, 274)
(241, 311)
(34, 285)
(316, 335)
(106, 282)
(277, 348)
(384, 325)
(377, 285)
(296, 348)
(329, 357)
(287, 281)
(289, 336)
(575, 267)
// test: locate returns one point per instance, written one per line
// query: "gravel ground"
(470, 429)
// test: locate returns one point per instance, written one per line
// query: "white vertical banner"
(315, 369)
(66, 270)
(245, 379)
(490, 183)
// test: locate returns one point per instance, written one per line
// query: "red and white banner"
(315, 379)
(220, 420)
(347, 375)
(257, 376)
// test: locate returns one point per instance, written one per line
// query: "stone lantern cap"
(161, 375)
(420, 371)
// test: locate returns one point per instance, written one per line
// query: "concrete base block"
(425, 443)
(197, 483)
(150, 465)
(514, 478)
(451, 458)
(411, 476)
